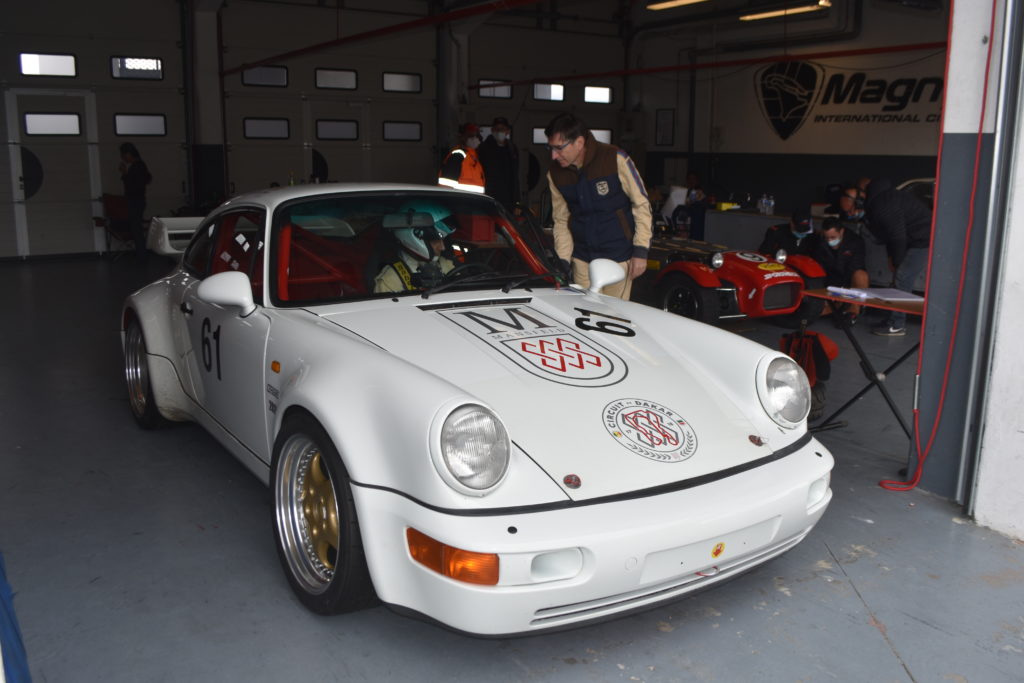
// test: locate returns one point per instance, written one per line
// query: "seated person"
(421, 261)
(796, 237)
(841, 253)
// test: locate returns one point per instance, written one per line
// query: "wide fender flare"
(378, 410)
(698, 272)
(727, 359)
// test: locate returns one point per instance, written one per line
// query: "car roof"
(273, 196)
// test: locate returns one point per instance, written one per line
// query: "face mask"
(834, 242)
(801, 235)
(500, 137)
(473, 142)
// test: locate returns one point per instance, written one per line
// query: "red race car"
(709, 282)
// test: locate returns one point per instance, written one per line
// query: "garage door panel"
(58, 198)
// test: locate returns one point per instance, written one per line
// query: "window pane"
(402, 82)
(602, 135)
(136, 67)
(337, 130)
(336, 78)
(266, 76)
(52, 124)
(402, 130)
(548, 91)
(140, 124)
(47, 65)
(276, 129)
(538, 137)
(593, 93)
(502, 91)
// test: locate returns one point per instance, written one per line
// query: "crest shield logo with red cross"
(540, 345)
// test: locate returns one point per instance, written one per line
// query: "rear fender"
(701, 274)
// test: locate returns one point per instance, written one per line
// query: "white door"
(54, 158)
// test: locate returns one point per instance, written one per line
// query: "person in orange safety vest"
(462, 169)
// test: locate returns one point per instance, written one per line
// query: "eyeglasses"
(559, 148)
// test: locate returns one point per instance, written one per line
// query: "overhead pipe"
(444, 18)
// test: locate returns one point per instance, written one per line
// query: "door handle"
(185, 308)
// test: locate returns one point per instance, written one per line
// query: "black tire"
(136, 374)
(315, 525)
(811, 306)
(679, 294)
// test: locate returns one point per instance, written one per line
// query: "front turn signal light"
(462, 565)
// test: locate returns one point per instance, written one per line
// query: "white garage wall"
(730, 115)
(998, 493)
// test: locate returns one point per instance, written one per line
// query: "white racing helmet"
(416, 225)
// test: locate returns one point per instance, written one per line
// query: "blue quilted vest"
(601, 215)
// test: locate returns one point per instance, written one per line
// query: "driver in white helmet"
(421, 261)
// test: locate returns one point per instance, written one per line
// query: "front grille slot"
(783, 295)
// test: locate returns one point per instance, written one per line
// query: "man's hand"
(637, 266)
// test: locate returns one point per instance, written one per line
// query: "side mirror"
(604, 272)
(228, 289)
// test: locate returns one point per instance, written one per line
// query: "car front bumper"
(589, 562)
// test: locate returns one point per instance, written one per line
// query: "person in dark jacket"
(841, 253)
(135, 176)
(501, 164)
(796, 237)
(598, 202)
(903, 224)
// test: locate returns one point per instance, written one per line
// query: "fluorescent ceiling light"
(667, 4)
(801, 9)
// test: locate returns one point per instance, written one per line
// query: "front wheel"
(136, 373)
(679, 294)
(315, 524)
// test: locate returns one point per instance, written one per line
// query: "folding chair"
(114, 222)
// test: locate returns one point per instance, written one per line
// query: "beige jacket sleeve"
(560, 215)
(633, 185)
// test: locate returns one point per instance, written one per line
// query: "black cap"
(832, 222)
(802, 217)
(502, 120)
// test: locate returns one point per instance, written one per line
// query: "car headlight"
(780, 256)
(784, 391)
(474, 450)
(717, 260)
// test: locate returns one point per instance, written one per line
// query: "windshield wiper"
(529, 278)
(479, 277)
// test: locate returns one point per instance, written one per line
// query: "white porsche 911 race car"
(447, 427)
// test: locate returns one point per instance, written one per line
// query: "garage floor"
(148, 556)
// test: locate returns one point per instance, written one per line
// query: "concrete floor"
(148, 556)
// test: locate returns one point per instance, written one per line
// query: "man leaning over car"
(599, 204)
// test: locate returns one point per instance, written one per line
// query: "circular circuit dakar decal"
(650, 429)
(751, 256)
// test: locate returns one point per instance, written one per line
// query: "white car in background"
(483, 447)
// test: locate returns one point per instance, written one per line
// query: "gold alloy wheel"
(306, 510)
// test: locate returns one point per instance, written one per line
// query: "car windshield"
(363, 245)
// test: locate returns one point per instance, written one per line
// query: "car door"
(225, 358)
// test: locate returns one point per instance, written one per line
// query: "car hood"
(583, 391)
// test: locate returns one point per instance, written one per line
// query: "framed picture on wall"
(665, 127)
